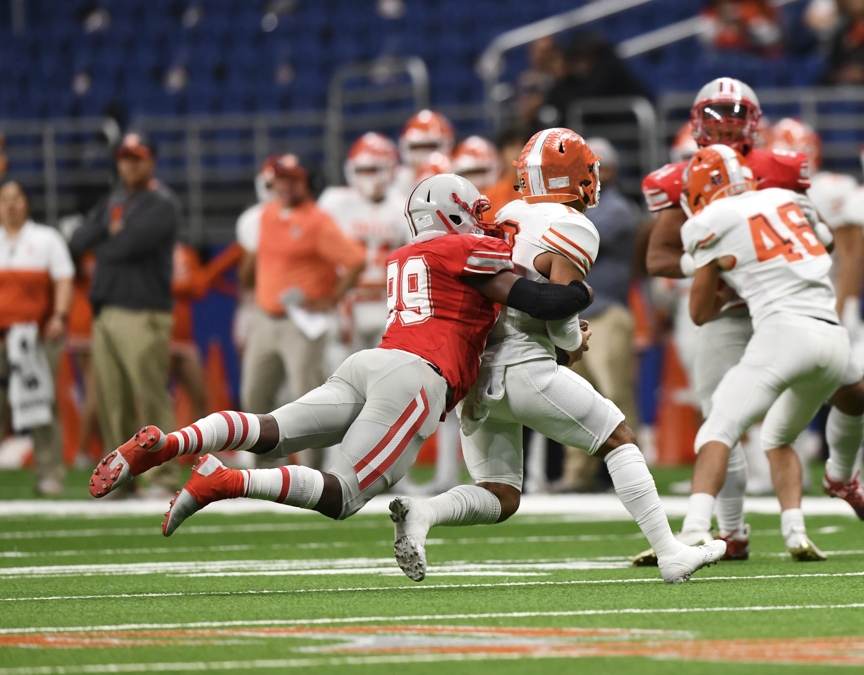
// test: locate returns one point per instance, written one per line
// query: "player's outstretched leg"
(461, 506)
(636, 490)
(150, 447)
(212, 481)
(844, 433)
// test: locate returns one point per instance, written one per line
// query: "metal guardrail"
(378, 83)
(675, 32)
(489, 64)
(55, 158)
(630, 124)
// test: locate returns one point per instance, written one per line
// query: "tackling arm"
(664, 244)
(850, 254)
(539, 301)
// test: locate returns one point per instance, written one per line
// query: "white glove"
(808, 208)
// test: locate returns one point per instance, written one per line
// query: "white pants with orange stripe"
(548, 398)
(381, 405)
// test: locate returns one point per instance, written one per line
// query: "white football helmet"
(446, 204)
(371, 165)
(726, 111)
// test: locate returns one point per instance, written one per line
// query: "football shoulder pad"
(779, 169)
(662, 188)
(575, 237)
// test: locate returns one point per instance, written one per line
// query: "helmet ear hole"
(561, 147)
(456, 219)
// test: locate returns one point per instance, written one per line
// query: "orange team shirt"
(300, 248)
(500, 194)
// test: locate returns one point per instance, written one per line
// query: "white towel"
(31, 387)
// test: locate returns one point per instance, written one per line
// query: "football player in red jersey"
(520, 384)
(725, 111)
(444, 292)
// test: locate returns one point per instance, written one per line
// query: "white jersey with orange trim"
(533, 229)
(829, 192)
(379, 226)
(780, 266)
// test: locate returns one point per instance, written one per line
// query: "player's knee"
(850, 399)
(508, 496)
(623, 435)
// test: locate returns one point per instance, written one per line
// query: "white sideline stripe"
(313, 567)
(271, 664)
(588, 507)
(415, 617)
(189, 529)
(432, 587)
(462, 541)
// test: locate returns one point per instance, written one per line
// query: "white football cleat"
(678, 568)
(694, 538)
(411, 527)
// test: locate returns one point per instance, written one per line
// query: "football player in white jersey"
(425, 133)
(763, 247)
(840, 205)
(520, 382)
(370, 211)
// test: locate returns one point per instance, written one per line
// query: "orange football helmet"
(797, 136)
(371, 164)
(436, 164)
(684, 146)
(557, 166)
(426, 132)
(477, 159)
(713, 173)
(726, 111)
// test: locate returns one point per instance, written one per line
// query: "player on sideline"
(763, 247)
(520, 382)
(369, 210)
(443, 292)
(726, 111)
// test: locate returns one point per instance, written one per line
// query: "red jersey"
(434, 313)
(771, 168)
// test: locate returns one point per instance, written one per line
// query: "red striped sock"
(226, 430)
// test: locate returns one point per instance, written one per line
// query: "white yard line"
(576, 508)
(429, 587)
(462, 541)
(270, 664)
(110, 533)
(419, 617)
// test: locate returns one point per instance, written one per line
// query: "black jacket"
(134, 266)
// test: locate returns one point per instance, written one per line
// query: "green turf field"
(264, 592)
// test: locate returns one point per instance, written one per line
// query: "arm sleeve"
(336, 247)
(92, 232)
(60, 265)
(574, 237)
(565, 333)
(548, 302)
(143, 234)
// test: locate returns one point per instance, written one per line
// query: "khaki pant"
(276, 348)
(47, 440)
(608, 366)
(130, 363)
